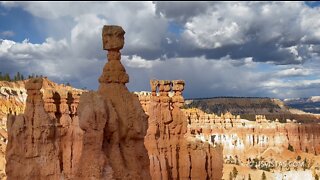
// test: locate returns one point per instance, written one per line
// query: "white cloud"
(7, 33)
(203, 77)
(293, 72)
(145, 30)
(265, 31)
(221, 47)
(138, 62)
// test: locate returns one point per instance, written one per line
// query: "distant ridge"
(234, 97)
(249, 107)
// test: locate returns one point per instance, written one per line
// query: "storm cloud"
(219, 48)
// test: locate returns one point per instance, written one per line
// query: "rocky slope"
(238, 105)
(240, 136)
(257, 144)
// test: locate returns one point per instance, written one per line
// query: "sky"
(252, 49)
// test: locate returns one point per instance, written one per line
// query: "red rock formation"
(36, 147)
(144, 98)
(250, 139)
(12, 99)
(102, 138)
(36, 137)
(114, 121)
(173, 153)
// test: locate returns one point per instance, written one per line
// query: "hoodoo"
(173, 153)
(99, 137)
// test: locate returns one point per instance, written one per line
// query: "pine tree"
(18, 76)
(305, 164)
(249, 177)
(290, 148)
(230, 176)
(1, 78)
(234, 172)
(7, 77)
(316, 177)
(264, 177)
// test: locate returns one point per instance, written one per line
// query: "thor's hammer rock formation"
(113, 120)
(100, 136)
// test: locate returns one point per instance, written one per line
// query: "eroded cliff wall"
(37, 139)
(243, 139)
(173, 153)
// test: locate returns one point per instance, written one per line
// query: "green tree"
(290, 148)
(249, 177)
(316, 177)
(230, 176)
(305, 164)
(7, 77)
(18, 76)
(298, 158)
(234, 172)
(264, 177)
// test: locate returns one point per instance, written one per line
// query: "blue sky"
(22, 25)
(219, 48)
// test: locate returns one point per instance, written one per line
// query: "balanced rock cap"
(112, 37)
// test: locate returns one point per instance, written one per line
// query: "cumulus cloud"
(145, 30)
(220, 48)
(203, 77)
(265, 31)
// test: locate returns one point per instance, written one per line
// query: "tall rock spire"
(113, 42)
(127, 123)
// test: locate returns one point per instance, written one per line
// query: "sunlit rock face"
(13, 96)
(173, 153)
(39, 141)
(252, 138)
(243, 140)
(67, 134)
